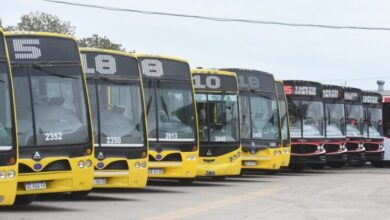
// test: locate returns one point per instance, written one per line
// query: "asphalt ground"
(347, 193)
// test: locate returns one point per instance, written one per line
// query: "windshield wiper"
(40, 66)
(107, 79)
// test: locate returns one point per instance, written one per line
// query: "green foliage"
(97, 41)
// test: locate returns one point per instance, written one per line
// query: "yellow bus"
(117, 105)
(284, 121)
(171, 117)
(8, 139)
(53, 117)
(216, 94)
(260, 127)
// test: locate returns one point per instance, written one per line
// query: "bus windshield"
(6, 130)
(306, 118)
(354, 114)
(334, 119)
(170, 111)
(283, 118)
(51, 106)
(386, 119)
(218, 117)
(373, 126)
(117, 113)
(260, 118)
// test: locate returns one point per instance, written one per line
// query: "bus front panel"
(171, 117)
(8, 140)
(54, 127)
(116, 97)
(218, 121)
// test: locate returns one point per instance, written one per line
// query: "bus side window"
(386, 119)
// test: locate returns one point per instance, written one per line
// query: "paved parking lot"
(348, 193)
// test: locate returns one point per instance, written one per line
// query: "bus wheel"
(336, 164)
(377, 163)
(219, 178)
(186, 181)
(297, 167)
(317, 166)
(25, 199)
(79, 194)
(357, 163)
(272, 172)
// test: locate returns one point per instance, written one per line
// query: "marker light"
(11, 174)
(81, 164)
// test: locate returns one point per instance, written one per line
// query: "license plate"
(99, 181)
(250, 163)
(156, 171)
(35, 186)
(210, 173)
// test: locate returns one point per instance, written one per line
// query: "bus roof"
(213, 71)
(143, 55)
(39, 34)
(107, 51)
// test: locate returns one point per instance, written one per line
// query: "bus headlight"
(81, 164)
(230, 159)
(380, 146)
(320, 147)
(234, 157)
(3, 174)
(88, 163)
(238, 154)
(11, 174)
(137, 165)
(143, 164)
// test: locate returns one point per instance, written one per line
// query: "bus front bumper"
(318, 157)
(7, 192)
(264, 159)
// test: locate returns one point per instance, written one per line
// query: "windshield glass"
(218, 117)
(6, 130)
(334, 119)
(354, 122)
(306, 118)
(172, 104)
(283, 118)
(117, 114)
(373, 126)
(260, 118)
(51, 106)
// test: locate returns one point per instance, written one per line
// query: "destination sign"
(34, 48)
(300, 90)
(370, 99)
(351, 96)
(214, 82)
(253, 79)
(104, 63)
(160, 68)
(330, 93)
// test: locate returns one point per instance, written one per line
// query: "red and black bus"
(306, 113)
(372, 128)
(335, 139)
(354, 126)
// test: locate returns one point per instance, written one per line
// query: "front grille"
(172, 157)
(169, 157)
(25, 169)
(303, 148)
(117, 165)
(331, 147)
(352, 146)
(371, 146)
(60, 165)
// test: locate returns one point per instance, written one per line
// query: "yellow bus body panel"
(221, 165)
(265, 159)
(171, 169)
(76, 179)
(131, 178)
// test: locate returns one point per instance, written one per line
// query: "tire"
(25, 199)
(357, 163)
(219, 178)
(297, 167)
(377, 163)
(272, 172)
(317, 166)
(336, 164)
(186, 181)
(79, 194)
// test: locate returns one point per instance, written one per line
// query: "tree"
(40, 21)
(100, 42)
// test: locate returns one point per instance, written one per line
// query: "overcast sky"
(355, 57)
